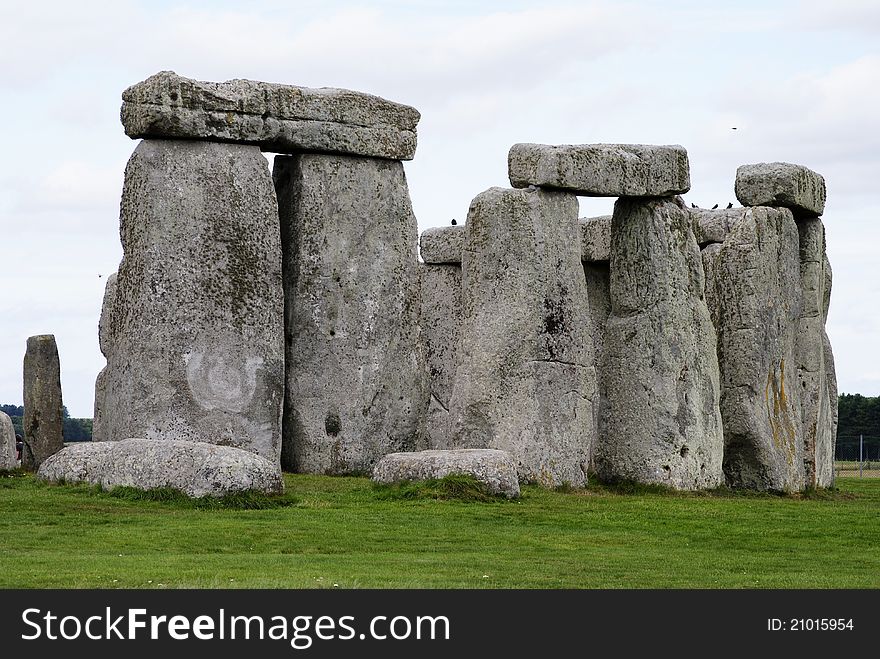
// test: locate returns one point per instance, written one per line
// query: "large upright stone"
(816, 408)
(601, 170)
(662, 423)
(754, 293)
(441, 332)
(356, 382)
(8, 454)
(526, 378)
(43, 420)
(106, 328)
(194, 332)
(596, 239)
(279, 118)
(781, 184)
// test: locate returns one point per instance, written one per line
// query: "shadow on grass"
(454, 487)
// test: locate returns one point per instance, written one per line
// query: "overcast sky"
(799, 80)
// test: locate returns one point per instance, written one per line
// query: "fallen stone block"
(662, 422)
(442, 244)
(781, 184)
(8, 454)
(195, 468)
(596, 238)
(494, 468)
(601, 170)
(526, 376)
(357, 388)
(277, 118)
(43, 421)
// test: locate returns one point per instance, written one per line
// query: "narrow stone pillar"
(356, 382)
(663, 423)
(193, 333)
(526, 378)
(43, 420)
(8, 455)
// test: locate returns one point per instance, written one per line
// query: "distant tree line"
(858, 415)
(74, 430)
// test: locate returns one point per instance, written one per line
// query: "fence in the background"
(857, 456)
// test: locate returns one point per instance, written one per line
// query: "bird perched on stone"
(694, 205)
(714, 207)
(730, 205)
(454, 222)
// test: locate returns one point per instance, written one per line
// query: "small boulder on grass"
(496, 469)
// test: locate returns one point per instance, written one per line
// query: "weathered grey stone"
(197, 322)
(781, 184)
(494, 468)
(43, 421)
(598, 278)
(712, 226)
(197, 469)
(601, 170)
(278, 118)
(662, 423)
(8, 454)
(356, 382)
(442, 244)
(596, 238)
(526, 378)
(754, 293)
(826, 440)
(811, 369)
(106, 324)
(441, 332)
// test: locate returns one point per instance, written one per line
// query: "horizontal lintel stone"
(601, 170)
(781, 184)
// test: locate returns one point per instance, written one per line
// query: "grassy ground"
(343, 531)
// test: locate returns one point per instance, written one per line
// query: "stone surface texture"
(754, 294)
(8, 454)
(781, 184)
(712, 226)
(442, 244)
(662, 422)
(441, 332)
(494, 468)
(601, 170)
(596, 238)
(598, 278)
(277, 118)
(526, 378)
(194, 332)
(357, 388)
(195, 468)
(43, 421)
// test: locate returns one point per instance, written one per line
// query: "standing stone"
(663, 423)
(356, 382)
(106, 327)
(43, 421)
(8, 454)
(442, 244)
(441, 332)
(754, 294)
(596, 238)
(816, 410)
(598, 278)
(826, 441)
(526, 378)
(194, 332)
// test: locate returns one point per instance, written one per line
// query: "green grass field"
(344, 532)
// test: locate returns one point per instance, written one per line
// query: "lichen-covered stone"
(494, 468)
(356, 382)
(712, 226)
(277, 118)
(781, 184)
(598, 278)
(826, 440)
(195, 468)
(441, 332)
(601, 170)
(106, 324)
(197, 319)
(526, 378)
(442, 244)
(43, 419)
(662, 422)
(8, 453)
(754, 293)
(596, 238)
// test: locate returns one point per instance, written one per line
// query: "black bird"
(454, 222)
(694, 206)
(730, 205)
(714, 207)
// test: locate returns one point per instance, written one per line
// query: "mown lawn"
(344, 532)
